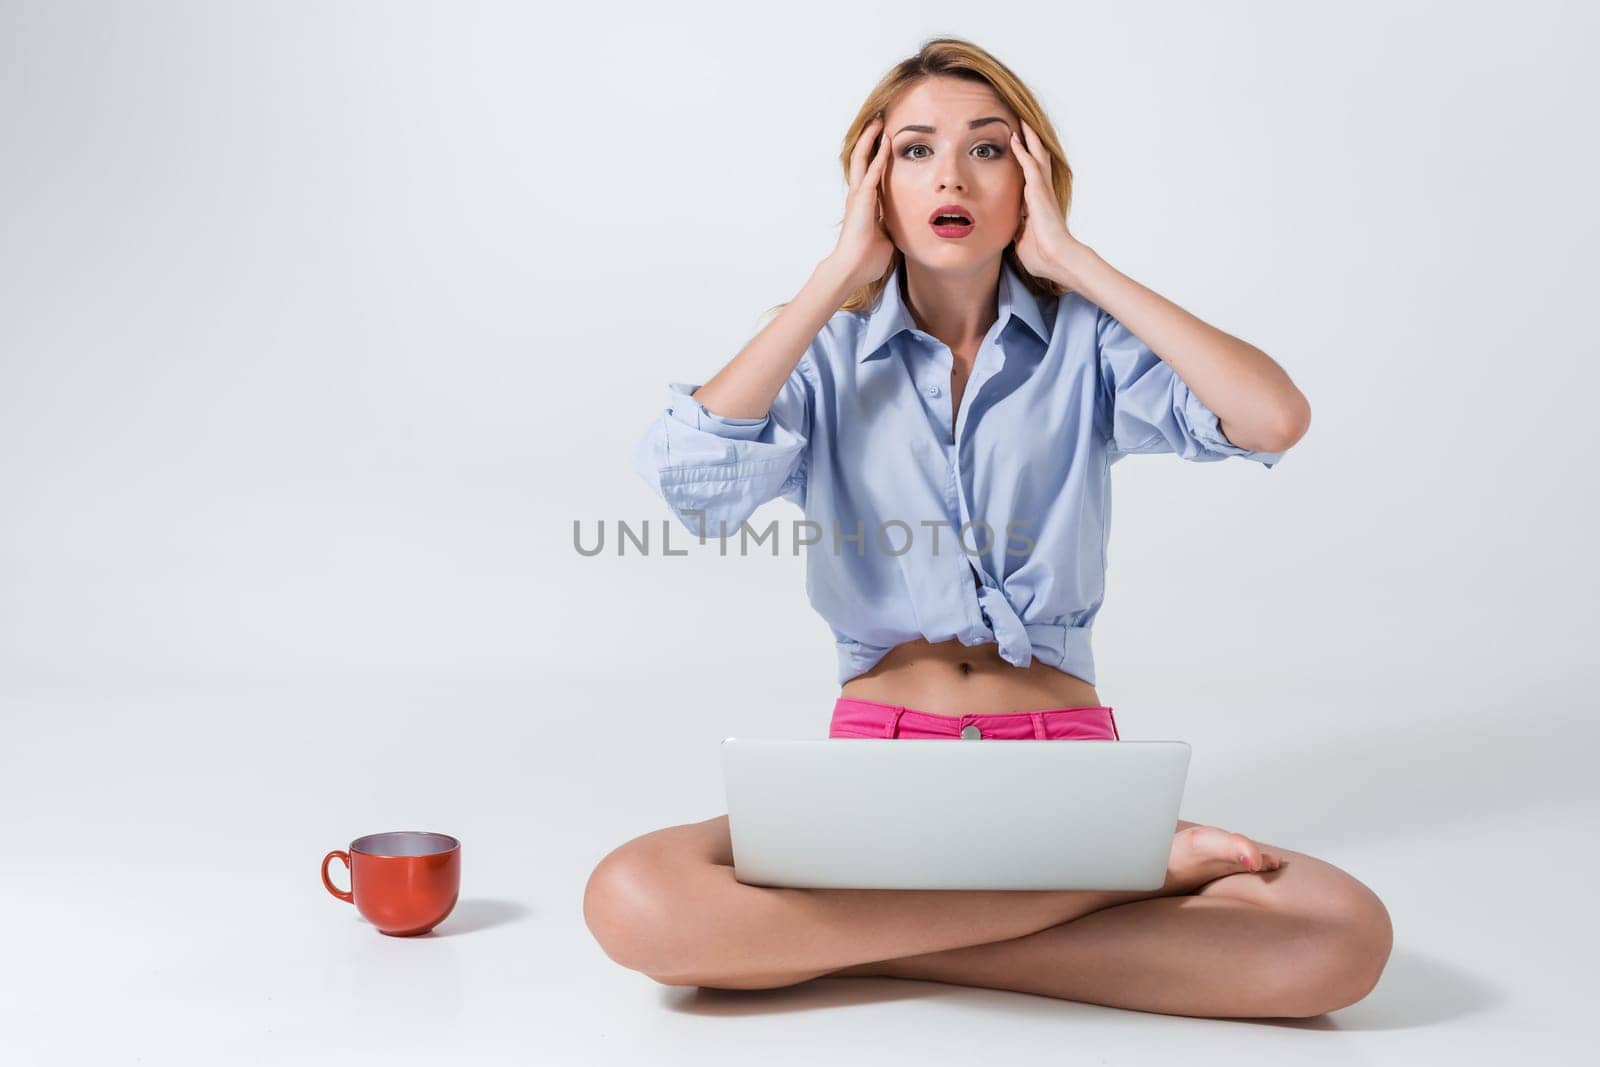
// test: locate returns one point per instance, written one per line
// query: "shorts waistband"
(853, 717)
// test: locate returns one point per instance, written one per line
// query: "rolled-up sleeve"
(1144, 406)
(725, 467)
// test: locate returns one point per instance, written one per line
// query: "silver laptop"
(926, 813)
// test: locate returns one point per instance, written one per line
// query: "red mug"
(404, 882)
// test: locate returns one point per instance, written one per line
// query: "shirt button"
(970, 733)
(933, 390)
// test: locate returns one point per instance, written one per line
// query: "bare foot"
(1202, 854)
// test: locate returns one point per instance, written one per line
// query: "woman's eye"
(995, 151)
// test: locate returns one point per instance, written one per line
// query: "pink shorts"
(868, 718)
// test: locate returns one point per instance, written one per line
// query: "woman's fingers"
(1035, 184)
(1025, 159)
(1036, 150)
(868, 192)
(858, 157)
(879, 162)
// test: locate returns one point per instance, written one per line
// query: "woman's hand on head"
(865, 249)
(1043, 244)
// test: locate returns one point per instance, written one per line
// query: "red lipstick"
(951, 220)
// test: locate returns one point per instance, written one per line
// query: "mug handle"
(343, 857)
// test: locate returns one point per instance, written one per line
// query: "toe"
(1246, 852)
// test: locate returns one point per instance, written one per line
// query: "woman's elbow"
(1294, 419)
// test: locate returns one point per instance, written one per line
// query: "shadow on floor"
(480, 913)
(1415, 991)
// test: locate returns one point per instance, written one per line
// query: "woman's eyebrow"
(974, 124)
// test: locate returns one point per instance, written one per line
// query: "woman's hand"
(1044, 246)
(865, 249)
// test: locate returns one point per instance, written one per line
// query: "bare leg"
(667, 904)
(1295, 942)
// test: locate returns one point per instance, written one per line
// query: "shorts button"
(970, 732)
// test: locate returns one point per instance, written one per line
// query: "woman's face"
(943, 159)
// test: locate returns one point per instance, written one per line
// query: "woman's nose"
(950, 177)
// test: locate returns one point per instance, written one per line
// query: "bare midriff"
(950, 678)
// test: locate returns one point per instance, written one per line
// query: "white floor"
(161, 845)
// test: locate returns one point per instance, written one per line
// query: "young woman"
(961, 361)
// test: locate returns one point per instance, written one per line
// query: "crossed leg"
(1294, 942)
(1295, 939)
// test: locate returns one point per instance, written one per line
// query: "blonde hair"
(956, 58)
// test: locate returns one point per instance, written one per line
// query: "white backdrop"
(321, 325)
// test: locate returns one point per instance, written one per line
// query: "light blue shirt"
(860, 438)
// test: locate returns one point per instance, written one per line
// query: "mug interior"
(404, 843)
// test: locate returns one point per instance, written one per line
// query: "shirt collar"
(891, 316)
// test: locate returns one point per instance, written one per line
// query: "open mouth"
(951, 220)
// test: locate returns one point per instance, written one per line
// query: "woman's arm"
(1257, 406)
(746, 386)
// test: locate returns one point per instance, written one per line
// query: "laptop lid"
(915, 813)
